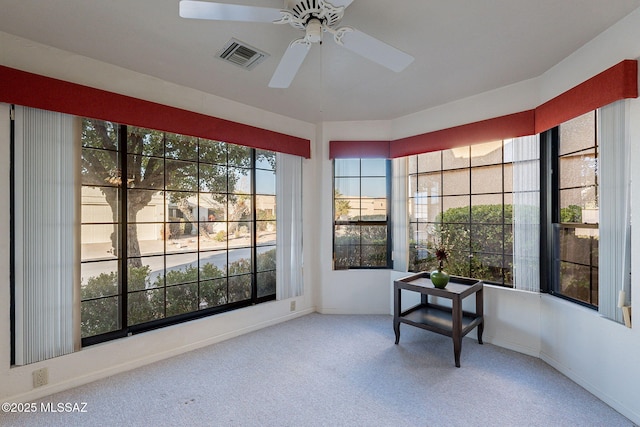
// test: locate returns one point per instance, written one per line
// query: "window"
(463, 197)
(188, 230)
(576, 210)
(361, 233)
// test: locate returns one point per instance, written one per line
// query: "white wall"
(120, 355)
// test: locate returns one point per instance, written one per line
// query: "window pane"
(455, 209)
(265, 182)
(266, 232)
(579, 169)
(487, 209)
(239, 156)
(346, 167)
(181, 147)
(145, 172)
(99, 134)
(145, 205)
(182, 299)
(430, 162)
(265, 160)
(216, 237)
(145, 306)
(455, 182)
(213, 264)
(181, 176)
(347, 187)
(100, 205)
(213, 293)
(145, 239)
(487, 238)
(489, 153)
(578, 134)
(213, 178)
(239, 181)
(347, 209)
(579, 205)
(374, 187)
(373, 167)
(214, 152)
(266, 207)
(239, 234)
(99, 316)
(99, 241)
(100, 168)
(239, 288)
(428, 184)
(239, 261)
(98, 279)
(239, 208)
(456, 158)
(266, 282)
(373, 209)
(182, 268)
(145, 141)
(487, 179)
(145, 273)
(266, 258)
(487, 267)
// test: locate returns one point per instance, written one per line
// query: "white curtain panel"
(526, 211)
(44, 234)
(614, 169)
(289, 259)
(399, 214)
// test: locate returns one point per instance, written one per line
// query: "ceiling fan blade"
(376, 50)
(338, 3)
(290, 64)
(227, 12)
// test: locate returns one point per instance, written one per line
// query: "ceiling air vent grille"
(241, 54)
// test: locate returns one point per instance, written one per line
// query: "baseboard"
(137, 363)
(631, 413)
(510, 345)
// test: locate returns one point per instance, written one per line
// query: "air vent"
(241, 54)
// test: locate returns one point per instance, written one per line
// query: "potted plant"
(439, 277)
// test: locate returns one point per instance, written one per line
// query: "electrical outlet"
(293, 306)
(40, 377)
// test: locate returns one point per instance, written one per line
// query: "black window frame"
(359, 223)
(550, 213)
(124, 291)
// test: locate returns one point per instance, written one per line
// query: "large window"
(575, 226)
(462, 198)
(361, 213)
(187, 231)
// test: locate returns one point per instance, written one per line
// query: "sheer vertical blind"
(614, 209)
(289, 260)
(526, 213)
(44, 169)
(400, 215)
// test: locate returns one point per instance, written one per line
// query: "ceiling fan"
(314, 17)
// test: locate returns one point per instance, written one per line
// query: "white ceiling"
(462, 48)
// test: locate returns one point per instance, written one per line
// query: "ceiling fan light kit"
(311, 16)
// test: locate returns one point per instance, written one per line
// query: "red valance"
(616, 83)
(33, 90)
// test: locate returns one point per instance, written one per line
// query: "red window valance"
(33, 90)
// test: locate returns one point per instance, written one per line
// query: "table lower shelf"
(438, 319)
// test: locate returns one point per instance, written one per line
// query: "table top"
(422, 283)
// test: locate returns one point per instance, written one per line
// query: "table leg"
(456, 314)
(480, 313)
(396, 312)
(396, 329)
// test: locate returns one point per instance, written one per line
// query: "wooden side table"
(452, 322)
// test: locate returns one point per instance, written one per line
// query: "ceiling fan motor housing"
(305, 11)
